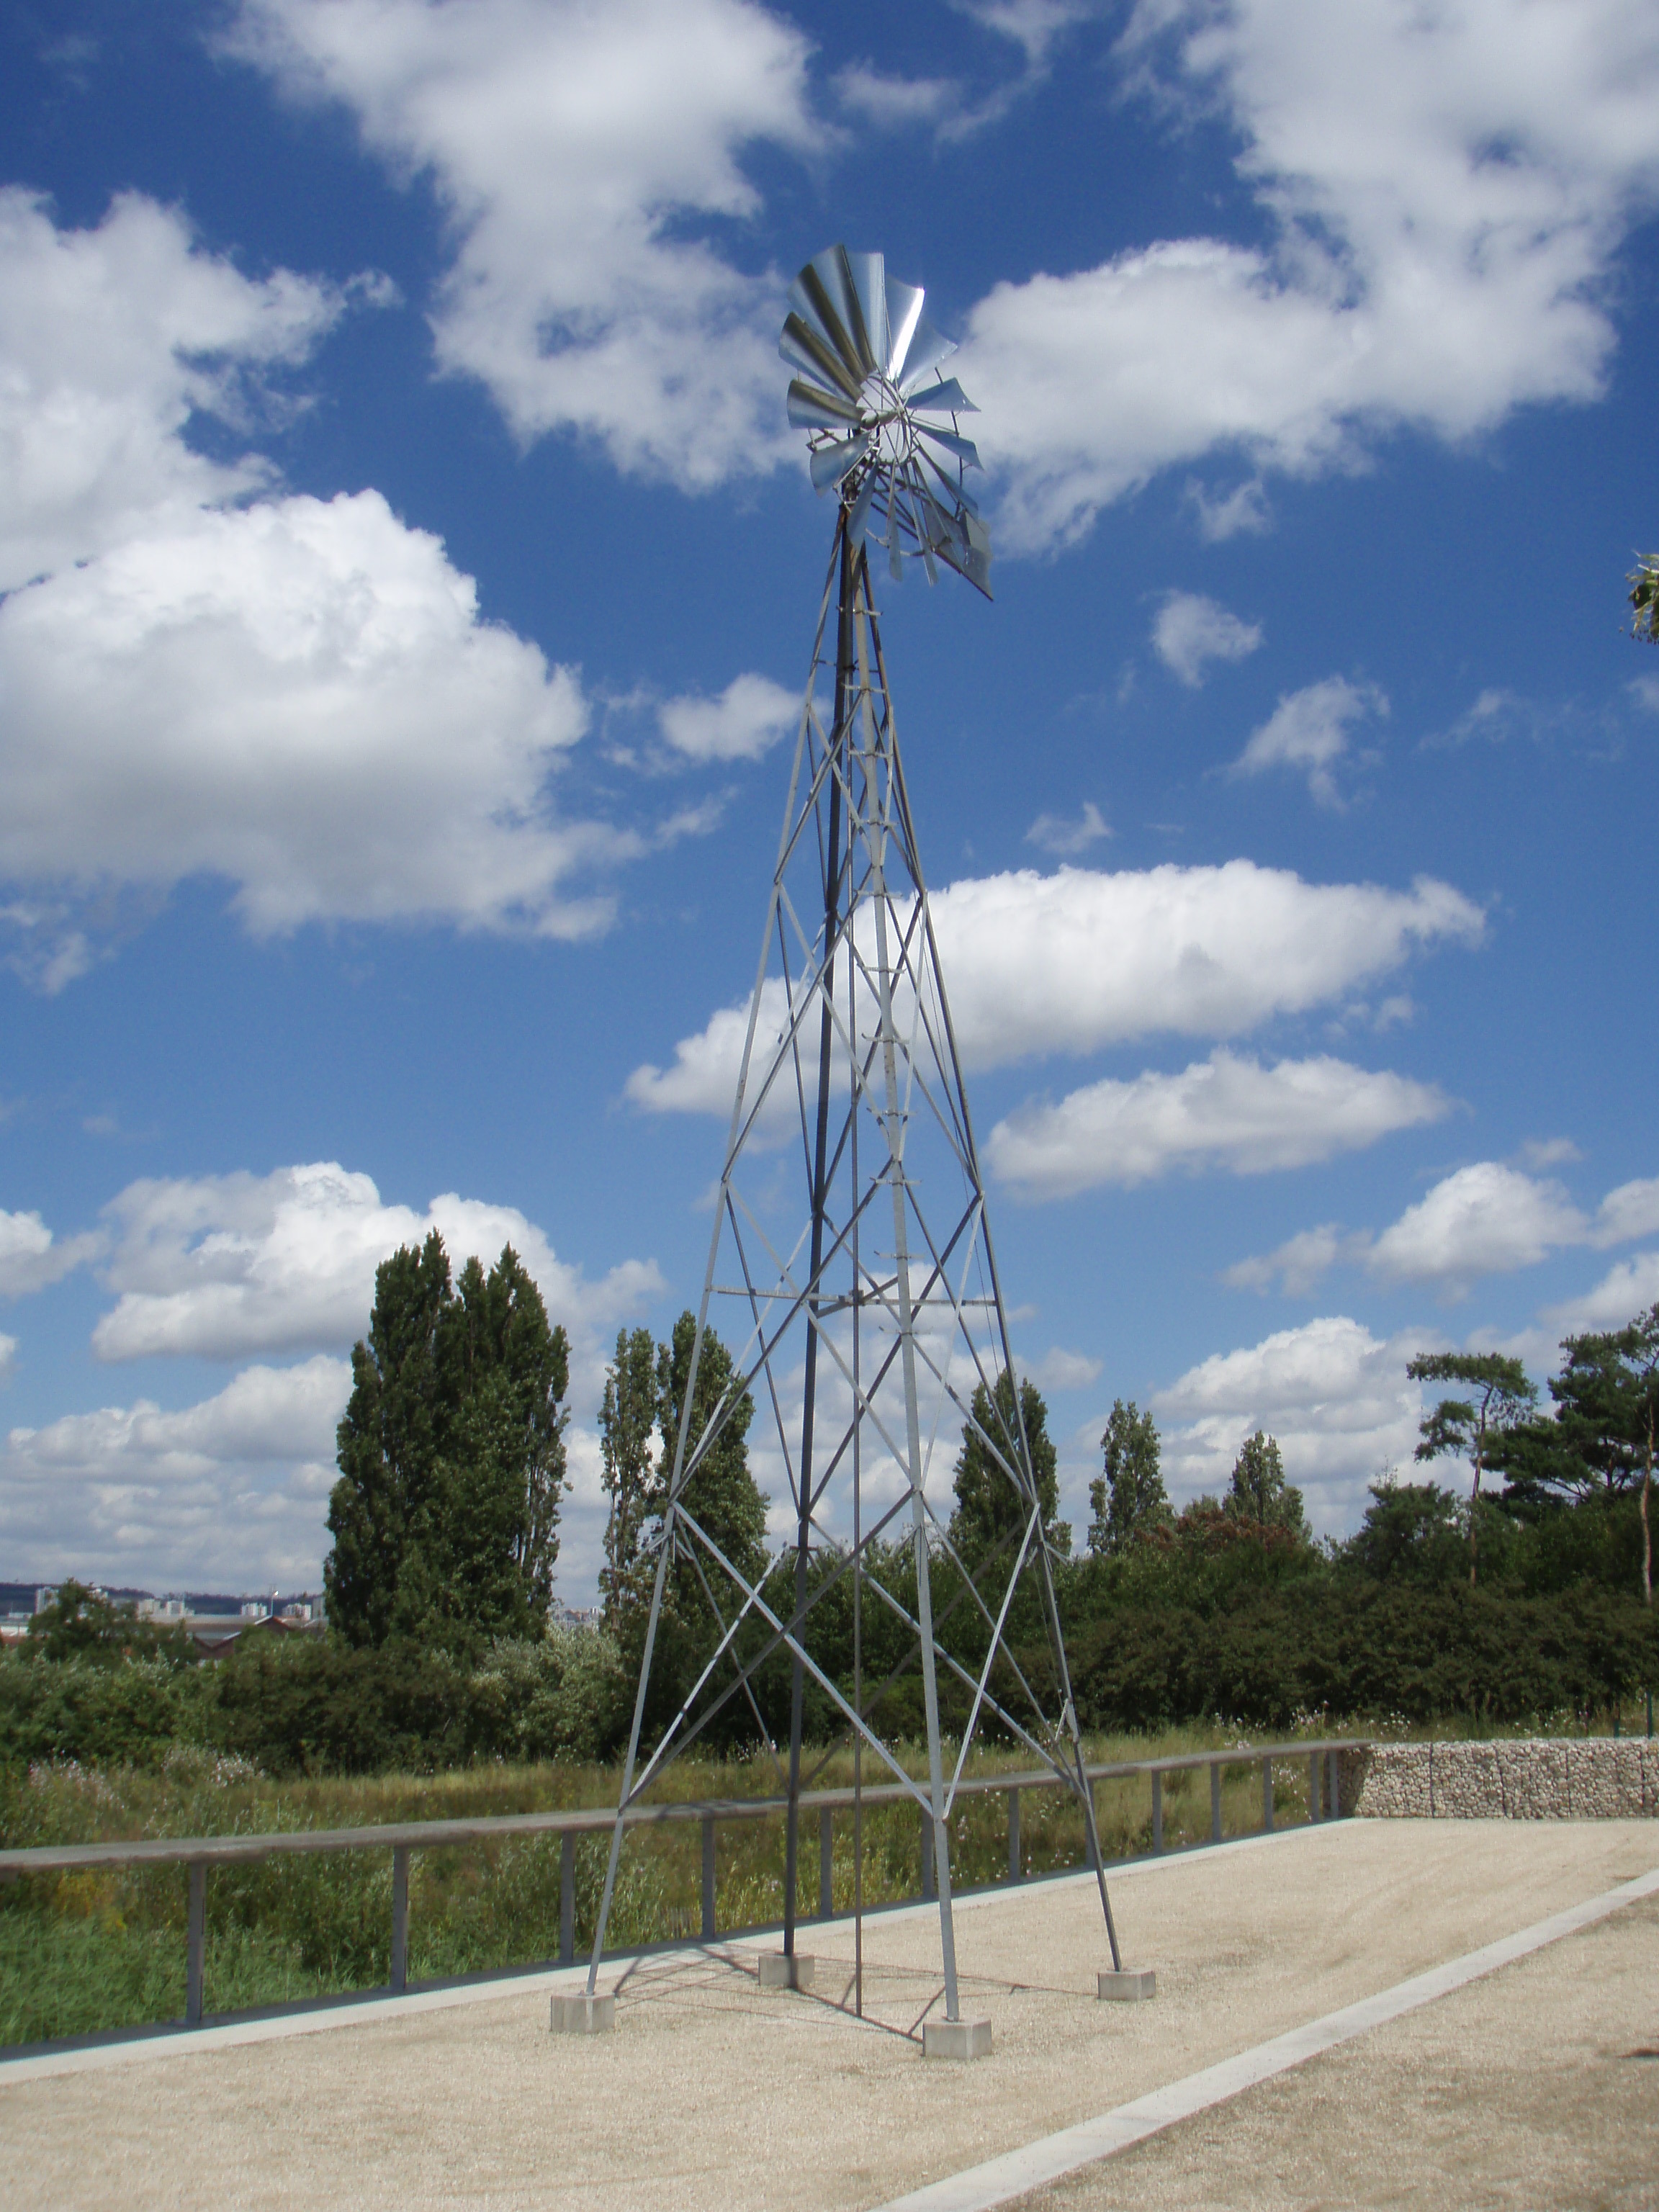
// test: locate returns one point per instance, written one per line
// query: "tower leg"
(895, 1131)
(627, 1770)
(832, 925)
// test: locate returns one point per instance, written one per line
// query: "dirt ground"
(1529, 2088)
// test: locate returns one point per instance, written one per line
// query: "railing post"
(1312, 1786)
(195, 1942)
(927, 1884)
(1267, 1796)
(708, 1878)
(400, 1918)
(1333, 1786)
(566, 1896)
(1157, 1809)
(1013, 1836)
(1215, 1801)
(826, 1864)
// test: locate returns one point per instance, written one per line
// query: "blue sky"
(408, 582)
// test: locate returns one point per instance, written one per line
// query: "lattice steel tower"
(864, 1321)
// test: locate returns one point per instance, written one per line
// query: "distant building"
(214, 1619)
(573, 1616)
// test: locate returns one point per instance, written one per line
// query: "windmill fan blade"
(812, 410)
(946, 399)
(830, 464)
(842, 284)
(904, 313)
(803, 348)
(964, 448)
(899, 456)
(869, 275)
(828, 283)
(927, 350)
(858, 521)
(954, 488)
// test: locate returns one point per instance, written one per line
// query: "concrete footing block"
(956, 2038)
(778, 1972)
(583, 2015)
(1132, 1986)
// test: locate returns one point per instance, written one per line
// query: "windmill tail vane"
(860, 1325)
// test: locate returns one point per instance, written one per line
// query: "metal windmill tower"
(867, 1324)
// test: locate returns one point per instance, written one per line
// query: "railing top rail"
(435, 1835)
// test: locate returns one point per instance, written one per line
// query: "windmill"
(868, 1325)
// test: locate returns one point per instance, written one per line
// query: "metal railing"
(198, 1853)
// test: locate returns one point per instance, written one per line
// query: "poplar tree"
(988, 1506)
(387, 1442)
(645, 1388)
(1260, 1495)
(452, 1456)
(628, 1420)
(1127, 1498)
(720, 1494)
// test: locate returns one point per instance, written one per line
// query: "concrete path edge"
(1015, 2173)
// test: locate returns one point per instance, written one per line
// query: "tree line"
(452, 1456)
(1527, 1597)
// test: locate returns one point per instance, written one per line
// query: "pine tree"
(1128, 1498)
(1503, 1396)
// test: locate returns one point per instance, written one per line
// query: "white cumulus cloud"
(1338, 1399)
(302, 699)
(1226, 1112)
(1299, 1263)
(298, 697)
(31, 1256)
(578, 153)
(221, 1266)
(1074, 960)
(109, 340)
(235, 1487)
(1488, 1219)
(1629, 1288)
(1444, 190)
(1308, 732)
(740, 723)
(232, 1488)
(1060, 1369)
(1190, 630)
(1485, 1219)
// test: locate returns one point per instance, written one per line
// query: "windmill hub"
(884, 414)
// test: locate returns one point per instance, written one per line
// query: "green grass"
(92, 1950)
(87, 1951)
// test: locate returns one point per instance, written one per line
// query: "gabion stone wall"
(1587, 1778)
